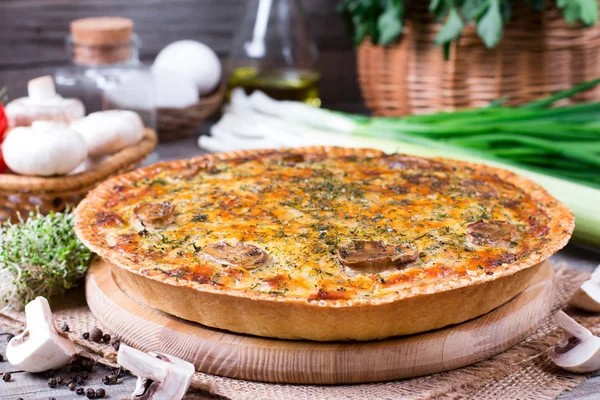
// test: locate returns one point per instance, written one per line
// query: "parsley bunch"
(383, 20)
(40, 256)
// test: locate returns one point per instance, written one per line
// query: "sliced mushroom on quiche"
(374, 255)
(155, 215)
(323, 243)
(491, 233)
(239, 254)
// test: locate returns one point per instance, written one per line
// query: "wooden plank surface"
(32, 36)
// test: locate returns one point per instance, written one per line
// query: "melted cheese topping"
(300, 211)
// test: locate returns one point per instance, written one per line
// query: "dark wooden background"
(32, 36)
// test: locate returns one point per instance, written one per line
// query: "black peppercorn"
(68, 382)
(71, 386)
(96, 335)
(110, 379)
(86, 335)
(100, 393)
(118, 372)
(80, 391)
(60, 381)
(90, 393)
(64, 327)
(106, 338)
(79, 380)
(6, 377)
(88, 365)
(51, 398)
(20, 398)
(52, 383)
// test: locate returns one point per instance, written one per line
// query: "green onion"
(563, 142)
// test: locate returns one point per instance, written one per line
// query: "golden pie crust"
(254, 241)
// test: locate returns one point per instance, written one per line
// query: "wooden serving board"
(248, 357)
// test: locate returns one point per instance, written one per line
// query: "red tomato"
(3, 128)
(3, 167)
(3, 122)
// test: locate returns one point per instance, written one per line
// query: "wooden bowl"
(21, 194)
(179, 123)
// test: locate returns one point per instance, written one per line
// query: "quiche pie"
(322, 243)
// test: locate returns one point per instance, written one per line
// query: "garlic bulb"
(193, 60)
(174, 90)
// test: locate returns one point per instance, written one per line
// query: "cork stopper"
(101, 40)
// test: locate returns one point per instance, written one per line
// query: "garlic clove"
(40, 347)
(578, 350)
(160, 376)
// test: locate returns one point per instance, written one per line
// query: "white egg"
(194, 60)
(174, 90)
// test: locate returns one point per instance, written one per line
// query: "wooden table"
(34, 386)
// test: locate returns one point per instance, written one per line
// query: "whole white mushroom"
(106, 132)
(194, 60)
(44, 149)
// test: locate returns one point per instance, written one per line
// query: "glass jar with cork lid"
(106, 72)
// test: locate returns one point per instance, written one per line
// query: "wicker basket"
(538, 54)
(21, 194)
(178, 123)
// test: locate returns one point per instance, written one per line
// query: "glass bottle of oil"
(273, 52)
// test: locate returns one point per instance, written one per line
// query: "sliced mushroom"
(376, 254)
(155, 215)
(40, 347)
(579, 350)
(587, 297)
(290, 159)
(160, 376)
(186, 173)
(239, 255)
(492, 233)
(402, 161)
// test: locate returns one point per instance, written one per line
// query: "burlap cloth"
(523, 372)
